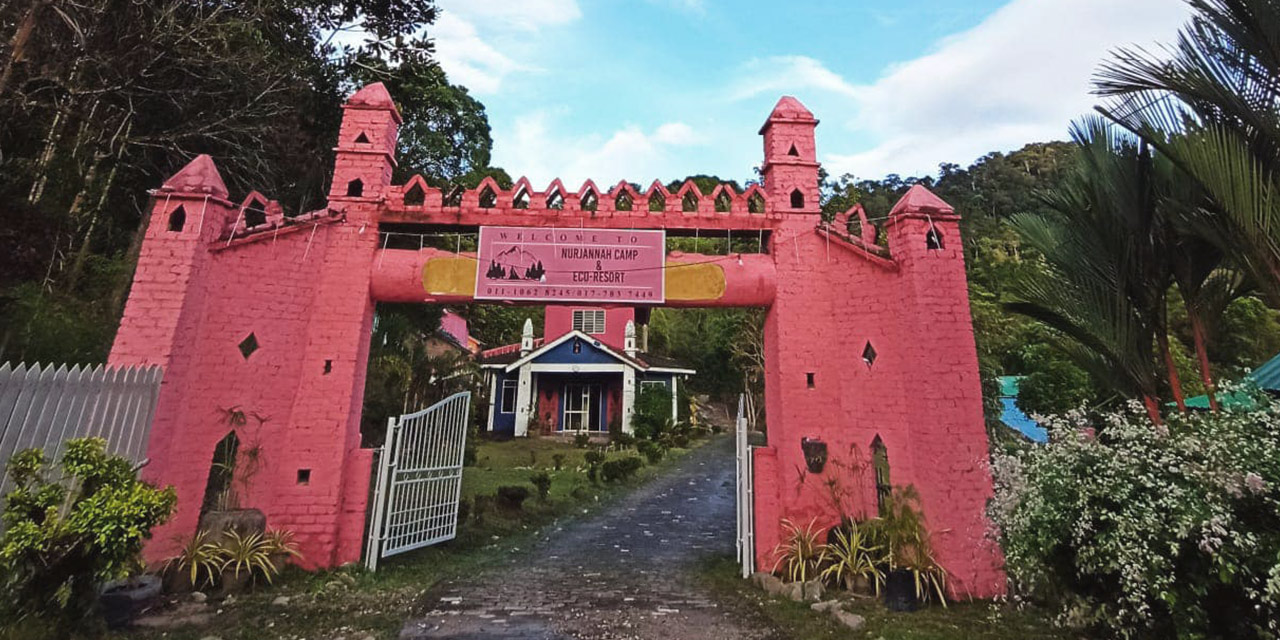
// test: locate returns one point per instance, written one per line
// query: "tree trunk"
(1175, 382)
(1153, 408)
(18, 45)
(1202, 355)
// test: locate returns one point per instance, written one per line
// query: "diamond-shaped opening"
(248, 346)
(362, 138)
(177, 219)
(657, 201)
(869, 354)
(415, 196)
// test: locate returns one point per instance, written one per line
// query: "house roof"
(508, 356)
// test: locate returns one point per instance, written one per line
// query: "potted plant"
(70, 533)
(123, 600)
(912, 575)
(245, 557)
(196, 566)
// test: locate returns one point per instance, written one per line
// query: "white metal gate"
(419, 479)
(746, 495)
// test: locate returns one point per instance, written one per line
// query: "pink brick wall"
(559, 321)
(306, 293)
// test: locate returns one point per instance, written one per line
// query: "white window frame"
(587, 390)
(514, 385)
(589, 321)
(654, 383)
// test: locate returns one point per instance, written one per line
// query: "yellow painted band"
(449, 276)
(695, 281)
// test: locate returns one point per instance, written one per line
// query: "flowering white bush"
(1137, 530)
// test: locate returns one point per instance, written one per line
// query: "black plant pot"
(815, 454)
(900, 591)
(123, 600)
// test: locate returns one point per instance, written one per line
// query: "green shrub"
(652, 451)
(621, 469)
(594, 458)
(558, 461)
(652, 416)
(512, 497)
(1149, 531)
(542, 482)
(582, 440)
(621, 440)
(65, 535)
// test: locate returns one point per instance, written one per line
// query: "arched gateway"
(246, 308)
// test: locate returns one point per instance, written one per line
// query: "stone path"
(625, 572)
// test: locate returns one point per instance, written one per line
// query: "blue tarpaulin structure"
(1013, 416)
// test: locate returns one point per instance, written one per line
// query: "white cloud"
(676, 134)
(515, 14)
(780, 74)
(470, 37)
(1019, 76)
(467, 58)
(629, 153)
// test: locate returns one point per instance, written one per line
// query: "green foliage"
(199, 556)
(66, 534)
(542, 482)
(652, 416)
(411, 366)
(249, 553)
(1149, 532)
(512, 496)
(621, 439)
(267, 105)
(800, 555)
(1248, 335)
(582, 440)
(1053, 383)
(852, 556)
(594, 458)
(901, 532)
(707, 340)
(652, 451)
(620, 468)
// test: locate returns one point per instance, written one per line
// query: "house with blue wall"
(581, 376)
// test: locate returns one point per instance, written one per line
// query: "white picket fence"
(43, 407)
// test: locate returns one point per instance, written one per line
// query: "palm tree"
(1107, 270)
(1211, 104)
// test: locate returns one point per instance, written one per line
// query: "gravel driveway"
(625, 572)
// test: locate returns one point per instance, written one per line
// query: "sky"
(645, 89)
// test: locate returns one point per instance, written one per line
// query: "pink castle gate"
(246, 308)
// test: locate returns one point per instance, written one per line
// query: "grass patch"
(969, 620)
(355, 604)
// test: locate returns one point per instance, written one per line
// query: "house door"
(580, 401)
